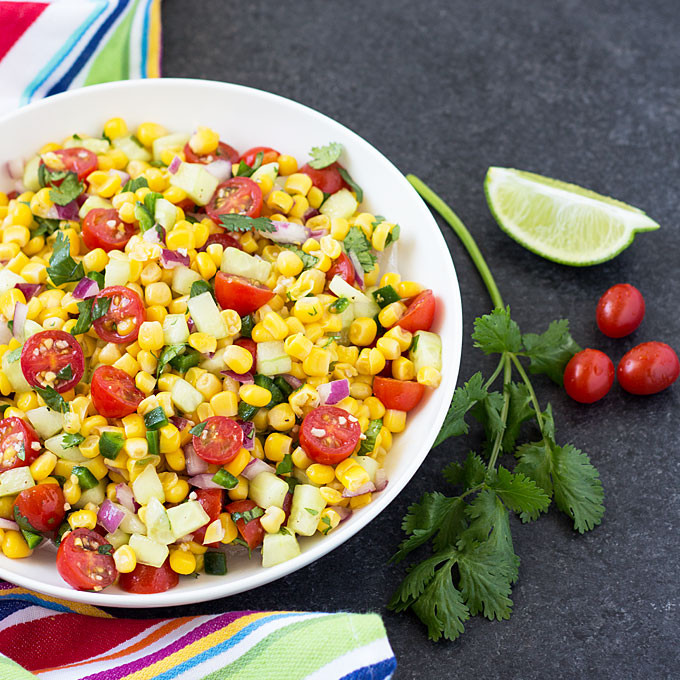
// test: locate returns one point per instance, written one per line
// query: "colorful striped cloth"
(55, 45)
(57, 640)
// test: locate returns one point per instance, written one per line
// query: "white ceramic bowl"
(245, 117)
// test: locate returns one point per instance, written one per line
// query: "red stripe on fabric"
(15, 18)
(66, 638)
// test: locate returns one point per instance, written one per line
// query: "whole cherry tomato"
(620, 310)
(648, 368)
(588, 376)
(42, 506)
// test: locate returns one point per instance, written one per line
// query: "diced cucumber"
(270, 170)
(30, 179)
(173, 141)
(206, 315)
(185, 518)
(368, 308)
(239, 263)
(147, 551)
(165, 213)
(117, 538)
(45, 421)
(272, 358)
(94, 144)
(148, 486)
(96, 495)
(8, 279)
(341, 288)
(56, 446)
(15, 480)
(340, 205)
(215, 363)
(280, 547)
(175, 329)
(185, 397)
(157, 522)
(12, 369)
(267, 489)
(92, 202)
(369, 464)
(301, 476)
(347, 316)
(427, 352)
(183, 278)
(117, 273)
(198, 183)
(132, 524)
(304, 512)
(31, 328)
(131, 149)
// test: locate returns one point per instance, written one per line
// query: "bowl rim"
(262, 576)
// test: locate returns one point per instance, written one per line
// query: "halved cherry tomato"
(78, 160)
(103, 228)
(343, 268)
(620, 310)
(114, 394)
(224, 152)
(126, 314)
(225, 240)
(211, 501)
(329, 434)
(220, 440)
(250, 345)
(420, 313)
(42, 506)
(269, 155)
(251, 532)
(238, 195)
(588, 376)
(17, 439)
(52, 358)
(241, 294)
(327, 179)
(145, 579)
(81, 564)
(401, 395)
(648, 368)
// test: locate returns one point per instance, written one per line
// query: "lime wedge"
(559, 221)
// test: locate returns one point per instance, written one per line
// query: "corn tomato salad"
(199, 351)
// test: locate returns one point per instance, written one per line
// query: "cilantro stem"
(507, 377)
(495, 374)
(463, 234)
(530, 387)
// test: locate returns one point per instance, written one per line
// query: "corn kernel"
(389, 347)
(147, 133)
(394, 420)
(362, 331)
(42, 467)
(14, 545)
(281, 417)
(320, 474)
(429, 376)
(240, 491)
(403, 369)
(85, 519)
(115, 127)
(182, 561)
(280, 200)
(277, 446)
(125, 559)
(204, 141)
(298, 183)
(390, 314)
(225, 404)
(357, 502)
(272, 519)
(238, 359)
(255, 395)
(350, 474)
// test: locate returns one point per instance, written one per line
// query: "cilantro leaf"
(496, 333)
(134, 184)
(393, 235)
(68, 441)
(89, 312)
(452, 526)
(550, 351)
(144, 217)
(52, 398)
(169, 352)
(242, 223)
(69, 189)
(519, 412)
(63, 268)
(46, 176)
(245, 170)
(150, 203)
(352, 184)
(285, 466)
(46, 226)
(488, 413)
(464, 398)
(468, 475)
(417, 578)
(323, 156)
(199, 287)
(357, 242)
(65, 373)
(197, 430)
(520, 493)
(309, 261)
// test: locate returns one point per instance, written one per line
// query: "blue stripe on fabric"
(382, 670)
(33, 599)
(63, 83)
(51, 65)
(222, 647)
(8, 607)
(145, 38)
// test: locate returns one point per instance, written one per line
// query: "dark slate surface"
(586, 91)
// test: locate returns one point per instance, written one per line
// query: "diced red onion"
(52, 213)
(179, 422)
(68, 211)
(364, 488)
(289, 232)
(255, 467)
(318, 233)
(191, 324)
(309, 213)
(20, 315)
(15, 168)
(124, 176)
(380, 479)
(174, 165)
(220, 169)
(243, 378)
(172, 258)
(110, 515)
(29, 289)
(343, 512)
(358, 269)
(292, 380)
(8, 524)
(86, 288)
(195, 464)
(248, 428)
(204, 481)
(153, 236)
(185, 539)
(125, 497)
(333, 392)
(388, 258)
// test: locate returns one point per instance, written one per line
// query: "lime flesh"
(559, 221)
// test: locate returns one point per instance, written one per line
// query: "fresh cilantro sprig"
(472, 564)
(323, 156)
(69, 189)
(63, 268)
(357, 242)
(242, 223)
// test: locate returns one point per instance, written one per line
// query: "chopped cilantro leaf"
(52, 398)
(245, 170)
(353, 185)
(69, 189)
(168, 353)
(308, 260)
(357, 242)
(197, 429)
(68, 441)
(134, 184)
(46, 226)
(285, 466)
(63, 268)
(323, 156)
(242, 223)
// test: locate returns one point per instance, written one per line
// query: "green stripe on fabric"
(299, 649)
(113, 59)
(13, 671)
